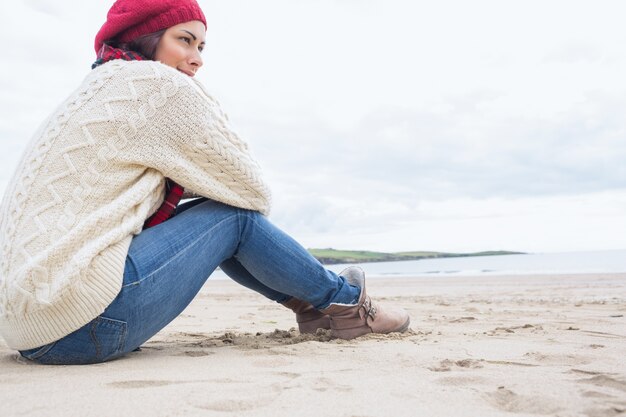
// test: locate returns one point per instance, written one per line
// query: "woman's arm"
(186, 136)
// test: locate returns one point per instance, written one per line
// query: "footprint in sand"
(532, 328)
(194, 353)
(506, 400)
(462, 319)
(493, 362)
(605, 381)
(596, 394)
(584, 372)
(607, 411)
(609, 405)
(290, 375)
(322, 384)
(274, 362)
(236, 405)
(230, 400)
(557, 359)
(461, 381)
(446, 365)
(143, 383)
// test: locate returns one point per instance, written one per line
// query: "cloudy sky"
(389, 124)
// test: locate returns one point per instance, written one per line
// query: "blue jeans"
(167, 265)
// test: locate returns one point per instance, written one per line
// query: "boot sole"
(401, 329)
(404, 327)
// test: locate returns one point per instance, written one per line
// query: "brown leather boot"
(350, 321)
(309, 319)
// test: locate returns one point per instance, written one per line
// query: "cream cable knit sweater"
(90, 177)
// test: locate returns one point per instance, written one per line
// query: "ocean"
(613, 261)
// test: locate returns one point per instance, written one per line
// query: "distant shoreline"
(330, 256)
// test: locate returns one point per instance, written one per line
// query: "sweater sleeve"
(186, 137)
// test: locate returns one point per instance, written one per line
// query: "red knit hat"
(129, 19)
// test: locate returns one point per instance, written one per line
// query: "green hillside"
(334, 256)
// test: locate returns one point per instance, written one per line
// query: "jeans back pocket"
(98, 341)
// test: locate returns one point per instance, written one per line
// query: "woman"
(96, 255)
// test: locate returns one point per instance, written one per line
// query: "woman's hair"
(145, 45)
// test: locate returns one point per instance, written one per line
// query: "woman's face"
(181, 45)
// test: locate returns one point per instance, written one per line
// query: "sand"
(478, 346)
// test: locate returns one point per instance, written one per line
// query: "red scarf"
(173, 191)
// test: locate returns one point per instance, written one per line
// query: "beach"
(478, 346)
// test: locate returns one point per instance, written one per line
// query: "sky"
(388, 125)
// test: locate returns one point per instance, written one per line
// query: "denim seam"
(183, 250)
(285, 248)
(130, 258)
(41, 351)
(293, 254)
(269, 236)
(94, 339)
(120, 347)
(240, 233)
